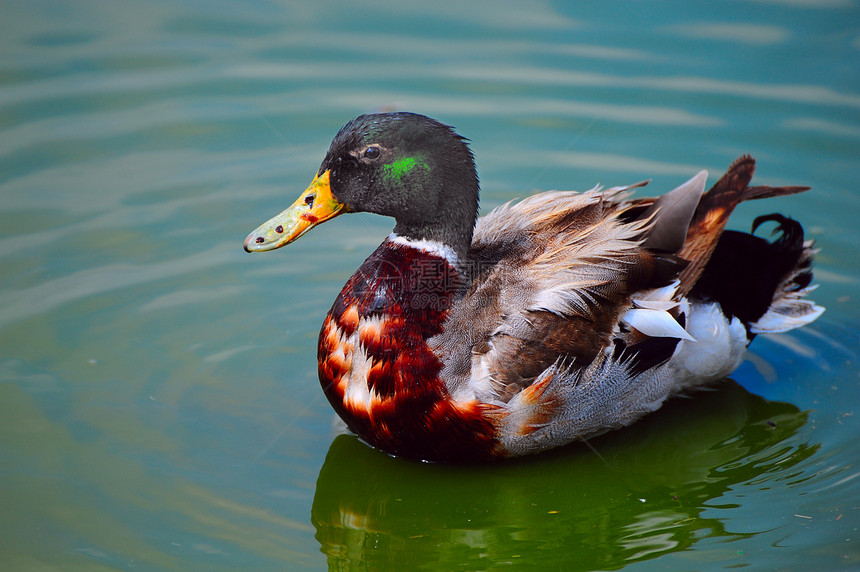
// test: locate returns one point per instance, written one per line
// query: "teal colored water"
(159, 402)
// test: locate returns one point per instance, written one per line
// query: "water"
(160, 408)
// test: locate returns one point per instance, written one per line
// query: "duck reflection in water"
(643, 494)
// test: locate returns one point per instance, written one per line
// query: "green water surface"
(159, 402)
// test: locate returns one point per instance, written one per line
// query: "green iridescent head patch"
(402, 167)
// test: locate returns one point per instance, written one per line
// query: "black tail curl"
(745, 271)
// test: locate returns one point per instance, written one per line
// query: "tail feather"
(789, 309)
(762, 283)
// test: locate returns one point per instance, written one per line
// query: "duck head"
(403, 165)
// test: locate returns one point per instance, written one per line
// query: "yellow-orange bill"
(313, 206)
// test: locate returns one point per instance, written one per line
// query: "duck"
(549, 320)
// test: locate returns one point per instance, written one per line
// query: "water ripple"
(42, 299)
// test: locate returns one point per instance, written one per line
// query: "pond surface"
(159, 402)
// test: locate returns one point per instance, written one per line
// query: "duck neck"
(446, 214)
(453, 235)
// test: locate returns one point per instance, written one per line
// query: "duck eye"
(371, 153)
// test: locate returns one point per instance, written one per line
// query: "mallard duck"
(549, 320)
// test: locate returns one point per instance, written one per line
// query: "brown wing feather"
(710, 219)
(755, 193)
(556, 270)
